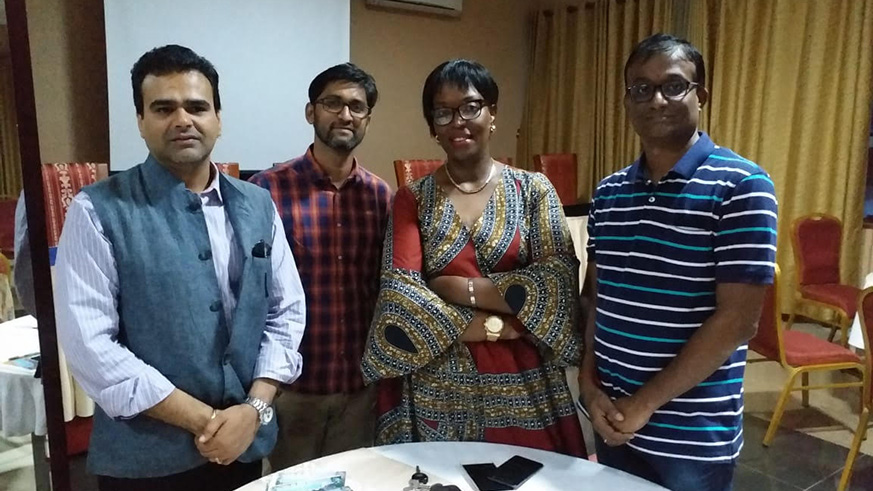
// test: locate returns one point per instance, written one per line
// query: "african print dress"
(435, 387)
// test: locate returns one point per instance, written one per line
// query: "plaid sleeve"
(745, 241)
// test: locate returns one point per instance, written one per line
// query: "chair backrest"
(561, 169)
(768, 338)
(816, 242)
(229, 168)
(407, 171)
(61, 182)
(7, 226)
(865, 311)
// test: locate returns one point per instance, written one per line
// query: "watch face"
(267, 416)
(493, 325)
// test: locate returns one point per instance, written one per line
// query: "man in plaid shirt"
(335, 213)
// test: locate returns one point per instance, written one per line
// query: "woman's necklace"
(485, 183)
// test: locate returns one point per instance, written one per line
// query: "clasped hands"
(615, 421)
(228, 433)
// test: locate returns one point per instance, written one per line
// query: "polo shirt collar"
(687, 165)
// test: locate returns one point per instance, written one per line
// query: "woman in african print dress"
(477, 316)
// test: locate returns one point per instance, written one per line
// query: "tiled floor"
(808, 452)
(795, 461)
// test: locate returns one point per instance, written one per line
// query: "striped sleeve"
(745, 241)
(86, 306)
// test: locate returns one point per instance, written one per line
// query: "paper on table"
(17, 341)
(365, 470)
(24, 321)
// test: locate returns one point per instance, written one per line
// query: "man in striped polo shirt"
(682, 245)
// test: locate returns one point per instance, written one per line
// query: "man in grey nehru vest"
(179, 304)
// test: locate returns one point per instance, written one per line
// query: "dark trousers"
(209, 477)
(673, 474)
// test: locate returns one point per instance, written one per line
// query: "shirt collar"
(317, 175)
(213, 190)
(685, 167)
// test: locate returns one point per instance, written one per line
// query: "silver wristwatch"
(265, 411)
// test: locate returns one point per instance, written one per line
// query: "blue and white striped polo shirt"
(661, 248)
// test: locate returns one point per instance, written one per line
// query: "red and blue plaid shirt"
(336, 237)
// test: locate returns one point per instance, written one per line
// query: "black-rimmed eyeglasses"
(675, 90)
(335, 105)
(467, 111)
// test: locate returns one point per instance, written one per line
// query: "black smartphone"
(479, 474)
(515, 471)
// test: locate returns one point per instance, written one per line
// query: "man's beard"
(339, 144)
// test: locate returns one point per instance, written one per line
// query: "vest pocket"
(263, 266)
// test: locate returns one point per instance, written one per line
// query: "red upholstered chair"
(229, 168)
(865, 305)
(7, 225)
(799, 353)
(816, 240)
(407, 171)
(60, 184)
(561, 169)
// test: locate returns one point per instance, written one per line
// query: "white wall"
(266, 53)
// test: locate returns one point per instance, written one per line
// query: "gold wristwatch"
(493, 327)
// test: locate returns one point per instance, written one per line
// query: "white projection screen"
(266, 53)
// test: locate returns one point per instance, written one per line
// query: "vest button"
(205, 255)
(216, 306)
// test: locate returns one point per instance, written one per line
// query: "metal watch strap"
(259, 405)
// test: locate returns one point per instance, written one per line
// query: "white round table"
(389, 468)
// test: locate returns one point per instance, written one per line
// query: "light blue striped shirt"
(86, 307)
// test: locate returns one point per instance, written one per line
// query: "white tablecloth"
(856, 339)
(389, 468)
(22, 404)
(22, 400)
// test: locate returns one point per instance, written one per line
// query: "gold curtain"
(576, 83)
(10, 159)
(791, 89)
(790, 85)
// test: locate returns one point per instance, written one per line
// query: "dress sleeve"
(544, 293)
(412, 325)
